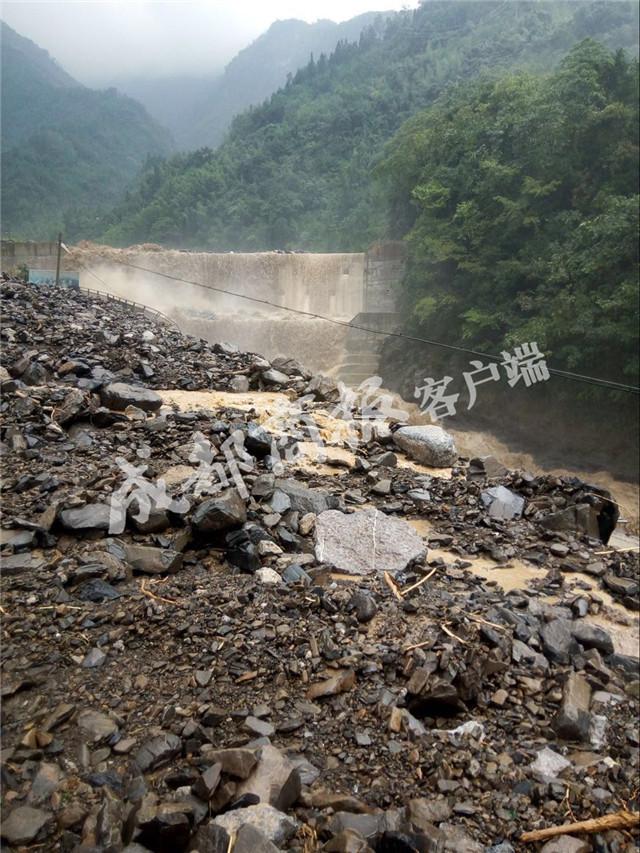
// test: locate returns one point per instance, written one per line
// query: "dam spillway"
(360, 288)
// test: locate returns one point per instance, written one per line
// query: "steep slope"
(297, 171)
(65, 147)
(199, 110)
(263, 67)
(175, 101)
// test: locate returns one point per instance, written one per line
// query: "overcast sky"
(97, 41)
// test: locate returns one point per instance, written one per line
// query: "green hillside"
(66, 150)
(297, 171)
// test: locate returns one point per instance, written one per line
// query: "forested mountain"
(520, 199)
(64, 147)
(198, 111)
(297, 171)
(264, 66)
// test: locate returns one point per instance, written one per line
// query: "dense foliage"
(521, 199)
(66, 149)
(297, 172)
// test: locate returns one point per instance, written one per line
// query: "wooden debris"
(618, 820)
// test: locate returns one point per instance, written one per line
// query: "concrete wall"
(340, 286)
(30, 254)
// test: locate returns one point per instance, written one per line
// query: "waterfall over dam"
(350, 287)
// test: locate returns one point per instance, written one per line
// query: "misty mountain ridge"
(199, 110)
(64, 146)
(298, 172)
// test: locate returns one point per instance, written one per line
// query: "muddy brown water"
(272, 409)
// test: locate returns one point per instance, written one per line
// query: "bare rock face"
(430, 445)
(366, 542)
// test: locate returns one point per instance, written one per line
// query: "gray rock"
(420, 496)
(274, 825)
(221, 512)
(211, 838)
(158, 751)
(456, 840)
(291, 366)
(422, 812)
(557, 641)
(367, 825)
(98, 726)
(263, 486)
(592, 637)
(239, 384)
(153, 561)
(522, 652)
(206, 784)
(274, 377)
(250, 840)
(275, 779)
(573, 719)
(567, 844)
(35, 374)
(23, 825)
(502, 503)
(118, 395)
(94, 658)
(581, 518)
(71, 408)
(303, 499)
(622, 586)
(89, 517)
(364, 605)
(485, 466)
(18, 564)
(96, 590)
(323, 388)
(430, 445)
(366, 542)
(548, 764)
(296, 574)
(262, 728)
(235, 762)
(280, 502)
(48, 779)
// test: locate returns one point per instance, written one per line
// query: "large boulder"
(323, 388)
(502, 503)
(304, 500)
(275, 779)
(153, 561)
(430, 445)
(119, 395)
(366, 542)
(222, 512)
(274, 825)
(88, 517)
(580, 519)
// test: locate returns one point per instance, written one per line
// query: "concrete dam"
(359, 288)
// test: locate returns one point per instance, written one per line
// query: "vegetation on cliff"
(67, 150)
(297, 172)
(520, 199)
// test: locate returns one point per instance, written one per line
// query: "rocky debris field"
(306, 659)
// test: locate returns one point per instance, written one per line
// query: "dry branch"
(619, 820)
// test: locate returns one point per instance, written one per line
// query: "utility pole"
(58, 261)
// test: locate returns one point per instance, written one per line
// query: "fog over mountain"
(99, 41)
